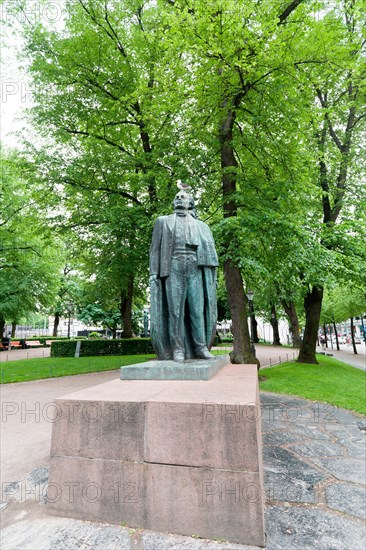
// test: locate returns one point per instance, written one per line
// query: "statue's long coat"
(161, 251)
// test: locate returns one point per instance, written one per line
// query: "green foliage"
(343, 302)
(94, 314)
(125, 346)
(228, 338)
(94, 335)
(223, 311)
(29, 254)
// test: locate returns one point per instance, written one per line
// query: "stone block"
(99, 429)
(212, 435)
(178, 456)
(209, 503)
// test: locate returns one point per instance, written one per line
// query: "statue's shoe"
(178, 356)
(204, 354)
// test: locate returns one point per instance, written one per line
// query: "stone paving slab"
(299, 528)
(347, 498)
(347, 469)
(67, 534)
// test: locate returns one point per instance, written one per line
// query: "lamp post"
(69, 308)
(250, 296)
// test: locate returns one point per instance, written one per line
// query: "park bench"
(16, 344)
(34, 344)
(4, 347)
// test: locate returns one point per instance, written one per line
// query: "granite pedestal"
(174, 456)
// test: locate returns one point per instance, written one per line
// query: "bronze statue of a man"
(183, 263)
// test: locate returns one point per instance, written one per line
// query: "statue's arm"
(208, 245)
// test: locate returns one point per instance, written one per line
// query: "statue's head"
(183, 201)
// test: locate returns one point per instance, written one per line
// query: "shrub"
(227, 338)
(124, 346)
(94, 336)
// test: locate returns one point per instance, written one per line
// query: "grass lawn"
(49, 367)
(331, 382)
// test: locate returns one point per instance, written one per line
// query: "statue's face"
(181, 200)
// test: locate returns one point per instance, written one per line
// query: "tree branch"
(121, 193)
(358, 119)
(11, 216)
(97, 136)
(324, 103)
(110, 33)
(15, 248)
(290, 8)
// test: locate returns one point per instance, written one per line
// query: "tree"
(337, 116)
(341, 303)
(96, 315)
(228, 61)
(244, 102)
(30, 256)
(112, 139)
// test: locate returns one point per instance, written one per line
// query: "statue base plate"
(191, 369)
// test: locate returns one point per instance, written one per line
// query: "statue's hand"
(153, 279)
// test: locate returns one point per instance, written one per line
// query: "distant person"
(5, 342)
(23, 343)
(322, 342)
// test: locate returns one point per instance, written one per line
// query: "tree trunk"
(274, 323)
(2, 326)
(330, 335)
(255, 327)
(294, 326)
(336, 334)
(238, 303)
(13, 329)
(353, 337)
(126, 309)
(114, 333)
(253, 324)
(325, 336)
(313, 305)
(56, 323)
(233, 279)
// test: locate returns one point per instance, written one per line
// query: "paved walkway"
(314, 459)
(346, 355)
(16, 354)
(271, 355)
(268, 355)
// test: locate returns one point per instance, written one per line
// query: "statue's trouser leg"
(176, 293)
(195, 298)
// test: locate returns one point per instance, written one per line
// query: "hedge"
(123, 346)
